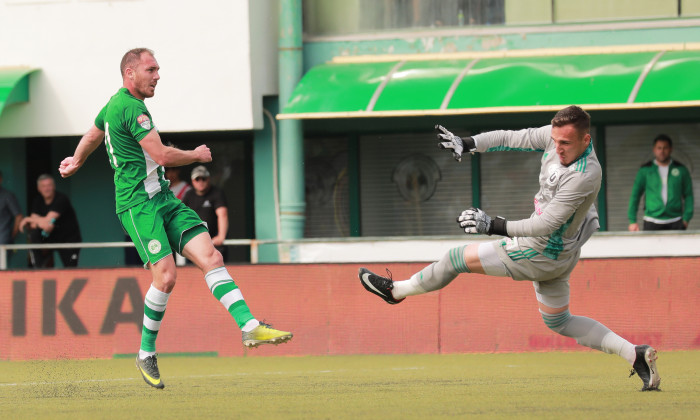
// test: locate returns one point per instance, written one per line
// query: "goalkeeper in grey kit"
(545, 247)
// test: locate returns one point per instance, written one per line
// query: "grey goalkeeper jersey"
(564, 216)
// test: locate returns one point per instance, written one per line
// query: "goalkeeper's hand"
(456, 143)
(476, 221)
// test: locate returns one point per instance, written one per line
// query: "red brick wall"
(89, 313)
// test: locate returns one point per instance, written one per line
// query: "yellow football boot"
(265, 334)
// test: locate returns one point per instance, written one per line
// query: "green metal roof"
(645, 79)
(14, 85)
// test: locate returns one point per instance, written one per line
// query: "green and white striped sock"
(153, 311)
(225, 290)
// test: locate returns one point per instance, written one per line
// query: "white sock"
(145, 354)
(250, 325)
(410, 287)
(620, 346)
(153, 311)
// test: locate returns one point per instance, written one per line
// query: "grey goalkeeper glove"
(476, 221)
(456, 143)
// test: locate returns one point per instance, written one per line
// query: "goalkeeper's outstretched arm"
(88, 144)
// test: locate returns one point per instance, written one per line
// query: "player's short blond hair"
(132, 57)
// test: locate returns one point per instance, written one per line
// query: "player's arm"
(560, 209)
(88, 144)
(171, 156)
(554, 216)
(527, 140)
(222, 224)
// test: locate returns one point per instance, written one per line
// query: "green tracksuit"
(648, 182)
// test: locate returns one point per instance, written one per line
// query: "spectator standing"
(667, 190)
(177, 185)
(10, 215)
(209, 203)
(52, 220)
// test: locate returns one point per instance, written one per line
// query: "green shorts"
(160, 226)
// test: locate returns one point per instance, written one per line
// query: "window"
(322, 17)
(409, 187)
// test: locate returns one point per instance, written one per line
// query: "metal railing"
(82, 245)
(253, 243)
(601, 245)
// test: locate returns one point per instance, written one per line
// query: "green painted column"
(264, 186)
(291, 139)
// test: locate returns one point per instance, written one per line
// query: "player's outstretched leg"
(149, 370)
(265, 334)
(227, 292)
(380, 286)
(591, 333)
(645, 366)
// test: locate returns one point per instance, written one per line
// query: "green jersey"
(137, 177)
(678, 187)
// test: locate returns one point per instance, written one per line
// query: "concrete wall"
(98, 313)
(206, 50)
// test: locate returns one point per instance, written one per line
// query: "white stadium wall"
(203, 48)
(602, 245)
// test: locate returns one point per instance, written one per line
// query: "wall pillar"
(291, 139)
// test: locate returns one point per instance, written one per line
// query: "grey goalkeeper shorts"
(506, 258)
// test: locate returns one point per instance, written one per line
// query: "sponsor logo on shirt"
(144, 121)
(206, 203)
(538, 209)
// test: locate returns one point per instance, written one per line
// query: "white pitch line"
(214, 375)
(79, 381)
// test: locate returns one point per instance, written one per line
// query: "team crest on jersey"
(154, 246)
(675, 172)
(553, 177)
(144, 121)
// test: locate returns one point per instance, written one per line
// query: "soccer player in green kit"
(157, 222)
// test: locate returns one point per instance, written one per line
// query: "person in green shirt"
(157, 222)
(667, 190)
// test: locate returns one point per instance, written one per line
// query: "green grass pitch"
(575, 385)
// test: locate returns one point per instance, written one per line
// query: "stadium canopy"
(596, 78)
(14, 85)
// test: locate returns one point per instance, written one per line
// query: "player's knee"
(167, 281)
(556, 322)
(214, 258)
